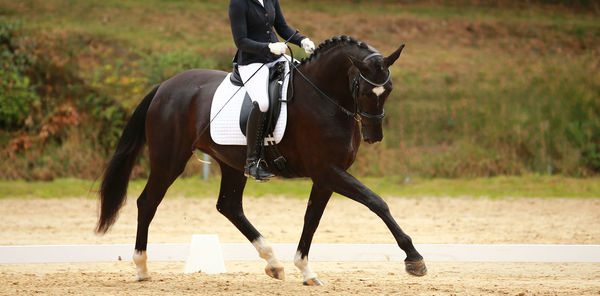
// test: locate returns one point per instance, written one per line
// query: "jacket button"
(266, 14)
(268, 32)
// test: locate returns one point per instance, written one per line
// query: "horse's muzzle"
(372, 133)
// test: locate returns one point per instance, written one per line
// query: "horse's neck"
(330, 73)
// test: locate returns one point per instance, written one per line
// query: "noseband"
(356, 83)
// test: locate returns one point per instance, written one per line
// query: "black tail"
(116, 176)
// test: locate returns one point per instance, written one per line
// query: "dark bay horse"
(339, 91)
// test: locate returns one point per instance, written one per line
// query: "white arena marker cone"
(205, 255)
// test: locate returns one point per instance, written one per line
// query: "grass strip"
(195, 187)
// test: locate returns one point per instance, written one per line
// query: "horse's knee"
(229, 211)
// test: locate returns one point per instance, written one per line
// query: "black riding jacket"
(252, 27)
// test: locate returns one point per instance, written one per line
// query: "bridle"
(355, 86)
(357, 113)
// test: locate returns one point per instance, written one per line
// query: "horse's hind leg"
(230, 205)
(163, 171)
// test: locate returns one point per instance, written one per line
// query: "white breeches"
(257, 85)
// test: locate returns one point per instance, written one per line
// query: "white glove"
(309, 46)
(278, 48)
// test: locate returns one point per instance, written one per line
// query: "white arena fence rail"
(318, 252)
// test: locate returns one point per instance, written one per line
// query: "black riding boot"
(255, 168)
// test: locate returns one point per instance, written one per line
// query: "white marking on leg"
(302, 264)
(378, 90)
(265, 251)
(140, 258)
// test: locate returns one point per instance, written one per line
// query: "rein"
(355, 89)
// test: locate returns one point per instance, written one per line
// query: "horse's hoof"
(142, 278)
(313, 282)
(416, 268)
(275, 272)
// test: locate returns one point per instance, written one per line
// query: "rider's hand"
(278, 48)
(309, 46)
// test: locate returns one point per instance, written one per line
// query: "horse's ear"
(362, 66)
(388, 61)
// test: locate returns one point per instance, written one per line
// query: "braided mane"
(333, 42)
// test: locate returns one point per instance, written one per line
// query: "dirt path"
(340, 279)
(427, 220)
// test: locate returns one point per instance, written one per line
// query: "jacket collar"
(258, 3)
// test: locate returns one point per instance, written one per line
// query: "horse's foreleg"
(319, 197)
(345, 184)
(230, 205)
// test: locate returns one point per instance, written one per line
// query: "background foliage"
(483, 88)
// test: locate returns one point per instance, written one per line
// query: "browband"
(372, 55)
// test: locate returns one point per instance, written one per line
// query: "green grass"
(203, 25)
(59, 188)
(195, 187)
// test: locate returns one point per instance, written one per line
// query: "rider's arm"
(282, 28)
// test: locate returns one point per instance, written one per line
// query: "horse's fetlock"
(300, 260)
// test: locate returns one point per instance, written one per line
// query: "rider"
(252, 23)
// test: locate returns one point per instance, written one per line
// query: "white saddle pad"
(225, 113)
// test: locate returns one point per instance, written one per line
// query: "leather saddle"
(276, 77)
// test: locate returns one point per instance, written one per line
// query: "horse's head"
(371, 85)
